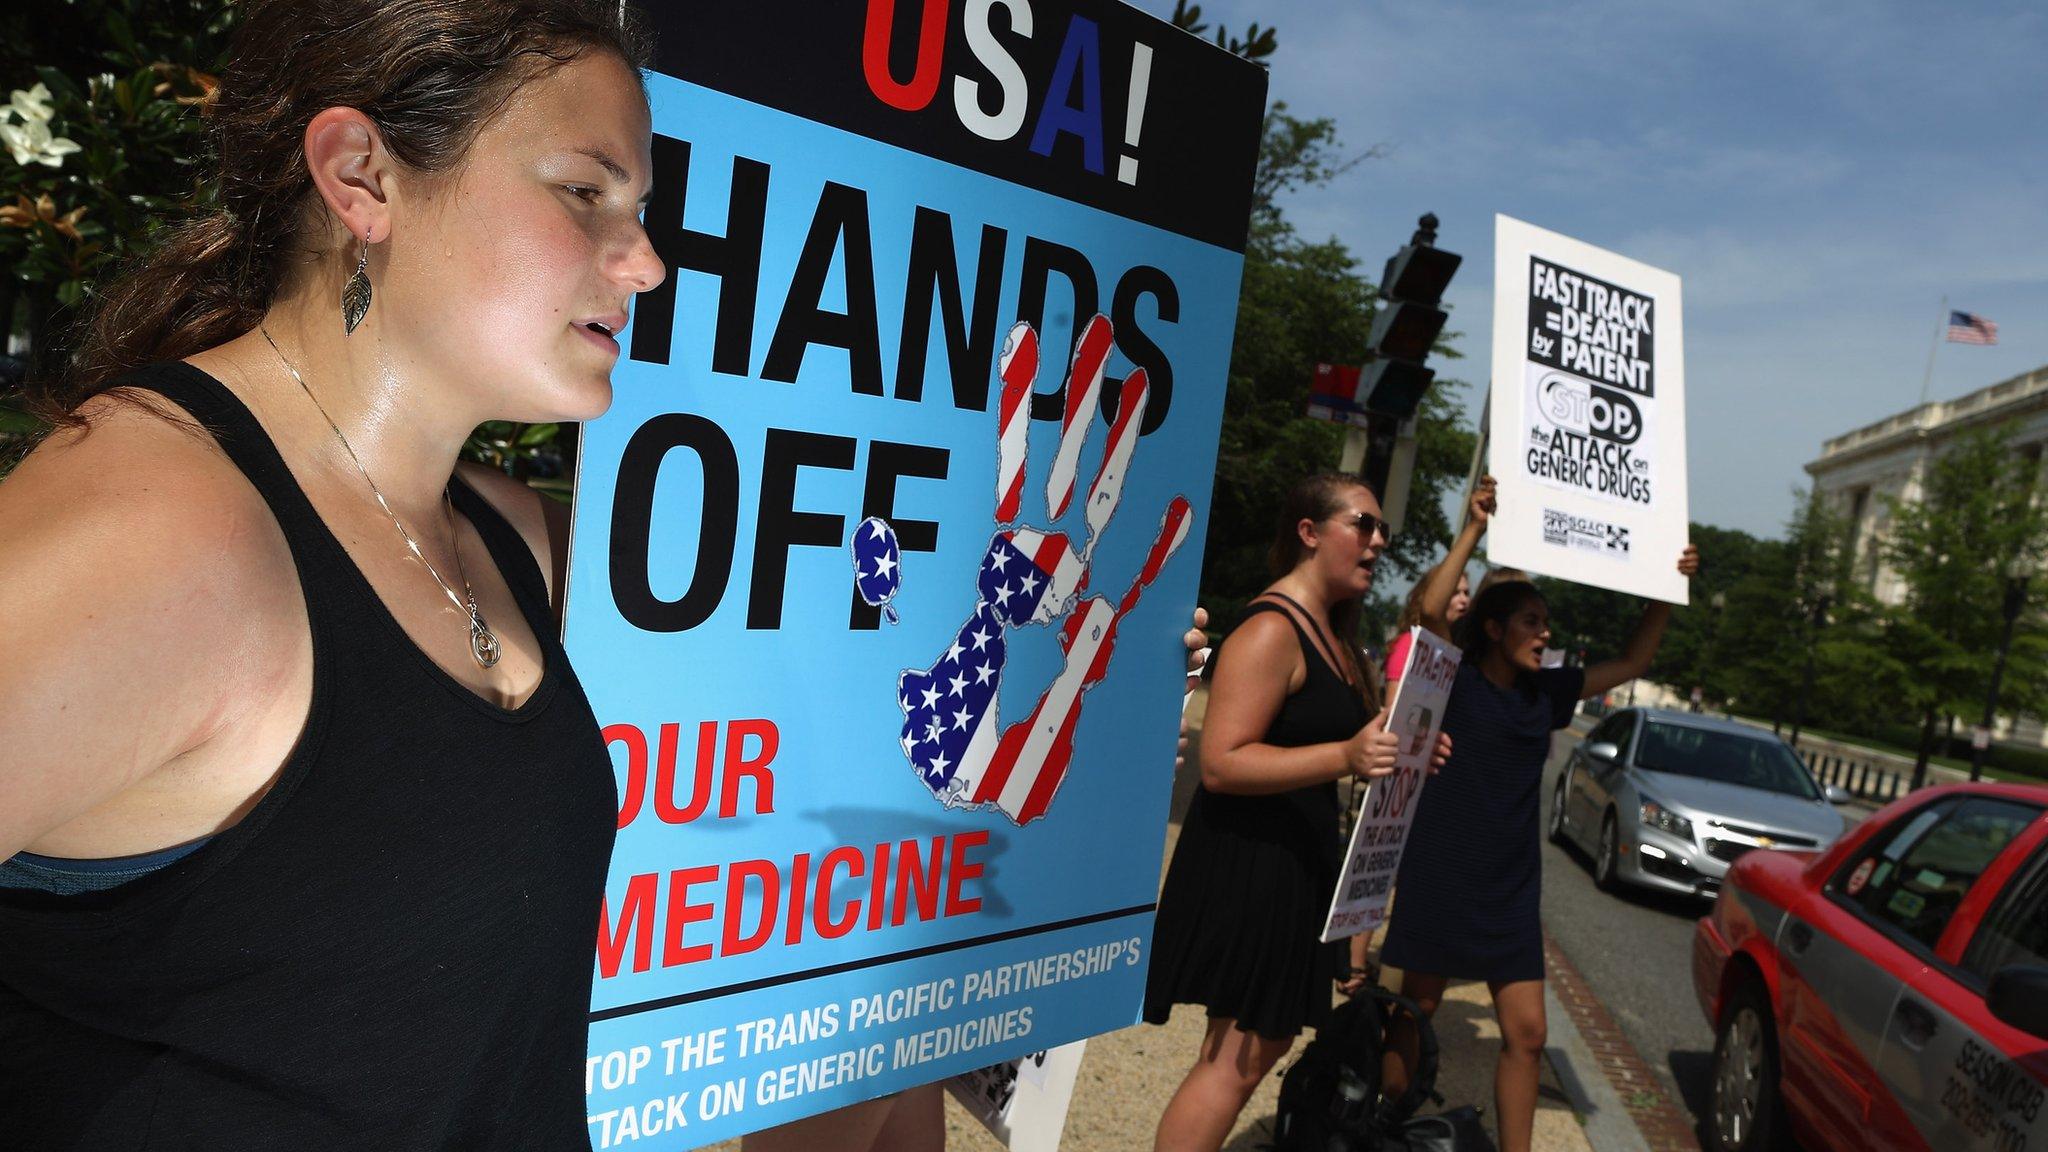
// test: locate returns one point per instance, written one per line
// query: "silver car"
(1668, 800)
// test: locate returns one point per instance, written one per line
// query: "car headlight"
(1665, 820)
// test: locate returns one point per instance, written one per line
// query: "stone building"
(1858, 469)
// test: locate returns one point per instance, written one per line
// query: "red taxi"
(1891, 992)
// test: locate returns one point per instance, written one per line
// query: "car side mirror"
(1837, 794)
(2019, 996)
(1603, 751)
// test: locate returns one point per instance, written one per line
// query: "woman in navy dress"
(1467, 898)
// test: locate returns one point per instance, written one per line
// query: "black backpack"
(1330, 1098)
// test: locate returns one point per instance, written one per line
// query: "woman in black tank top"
(1291, 712)
(304, 818)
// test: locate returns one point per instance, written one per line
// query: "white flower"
(33, 106)
(32, 143)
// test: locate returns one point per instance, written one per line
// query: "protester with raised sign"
(1291, 712)
(304, 818)
(1466, 902)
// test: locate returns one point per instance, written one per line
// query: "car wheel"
(1607, 862)
(1743, 1113)
(1557, 834)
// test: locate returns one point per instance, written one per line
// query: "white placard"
(1360, 902)
(1023, 1103)
(1587, 414)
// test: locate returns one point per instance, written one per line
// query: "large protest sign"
(882, 554)
(1416, 715)
(1587, 419)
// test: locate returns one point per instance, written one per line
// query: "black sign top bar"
(1090, 100)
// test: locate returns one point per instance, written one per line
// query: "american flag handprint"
(952, 732)
(877, 565)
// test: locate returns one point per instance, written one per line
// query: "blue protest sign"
(882, 554)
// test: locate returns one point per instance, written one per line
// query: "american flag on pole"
(1970, 328)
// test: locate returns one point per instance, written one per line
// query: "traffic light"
(1408, 323)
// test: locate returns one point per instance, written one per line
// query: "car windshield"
(1727, 757)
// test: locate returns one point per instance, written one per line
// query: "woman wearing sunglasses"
(1292, 710)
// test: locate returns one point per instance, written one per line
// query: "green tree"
(1595, 624)
(104, 142)
(1302, 303)
(1835, 626)
(1255, 44)
(101, 131)
(1976, 525)
(1744, 637)
(100, 134)
(1795, 626)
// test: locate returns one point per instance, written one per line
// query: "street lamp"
(2015, 603)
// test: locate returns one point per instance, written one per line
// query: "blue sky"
(1820, 175)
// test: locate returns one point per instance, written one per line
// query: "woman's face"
(1345, 554)
(513, 274)
(1461, 599)
(1524, 635)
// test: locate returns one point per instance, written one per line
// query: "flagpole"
(1939, 327)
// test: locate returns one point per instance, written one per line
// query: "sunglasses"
(1367, 524)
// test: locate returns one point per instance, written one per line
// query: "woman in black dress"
(1291, 712)
(1466, 902)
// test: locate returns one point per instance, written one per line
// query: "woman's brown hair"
(429, 73)
(1320, 497)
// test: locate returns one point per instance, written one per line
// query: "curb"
(1608, 1125)
(1606, 1065)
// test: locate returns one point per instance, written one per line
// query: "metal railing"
(1859, 778)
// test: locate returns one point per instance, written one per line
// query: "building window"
(1862, 545)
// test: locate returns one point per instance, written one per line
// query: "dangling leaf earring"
(355, 295)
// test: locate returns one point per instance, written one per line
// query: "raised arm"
(1442, 581)
(1246, 694)
(1642, 647)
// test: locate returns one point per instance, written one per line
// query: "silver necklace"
(483, 643)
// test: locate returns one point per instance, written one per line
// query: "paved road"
(1635, 950)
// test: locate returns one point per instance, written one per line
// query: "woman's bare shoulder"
(1264, 640)
(1263, 629)
(137, 538)
(138, 475)
(151, 597)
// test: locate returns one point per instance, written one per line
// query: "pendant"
(483, 643)
(357, 294)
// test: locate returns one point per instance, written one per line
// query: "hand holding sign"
(1033, 576)
(1372, 752)
(1374, 856)
(1480, 508)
